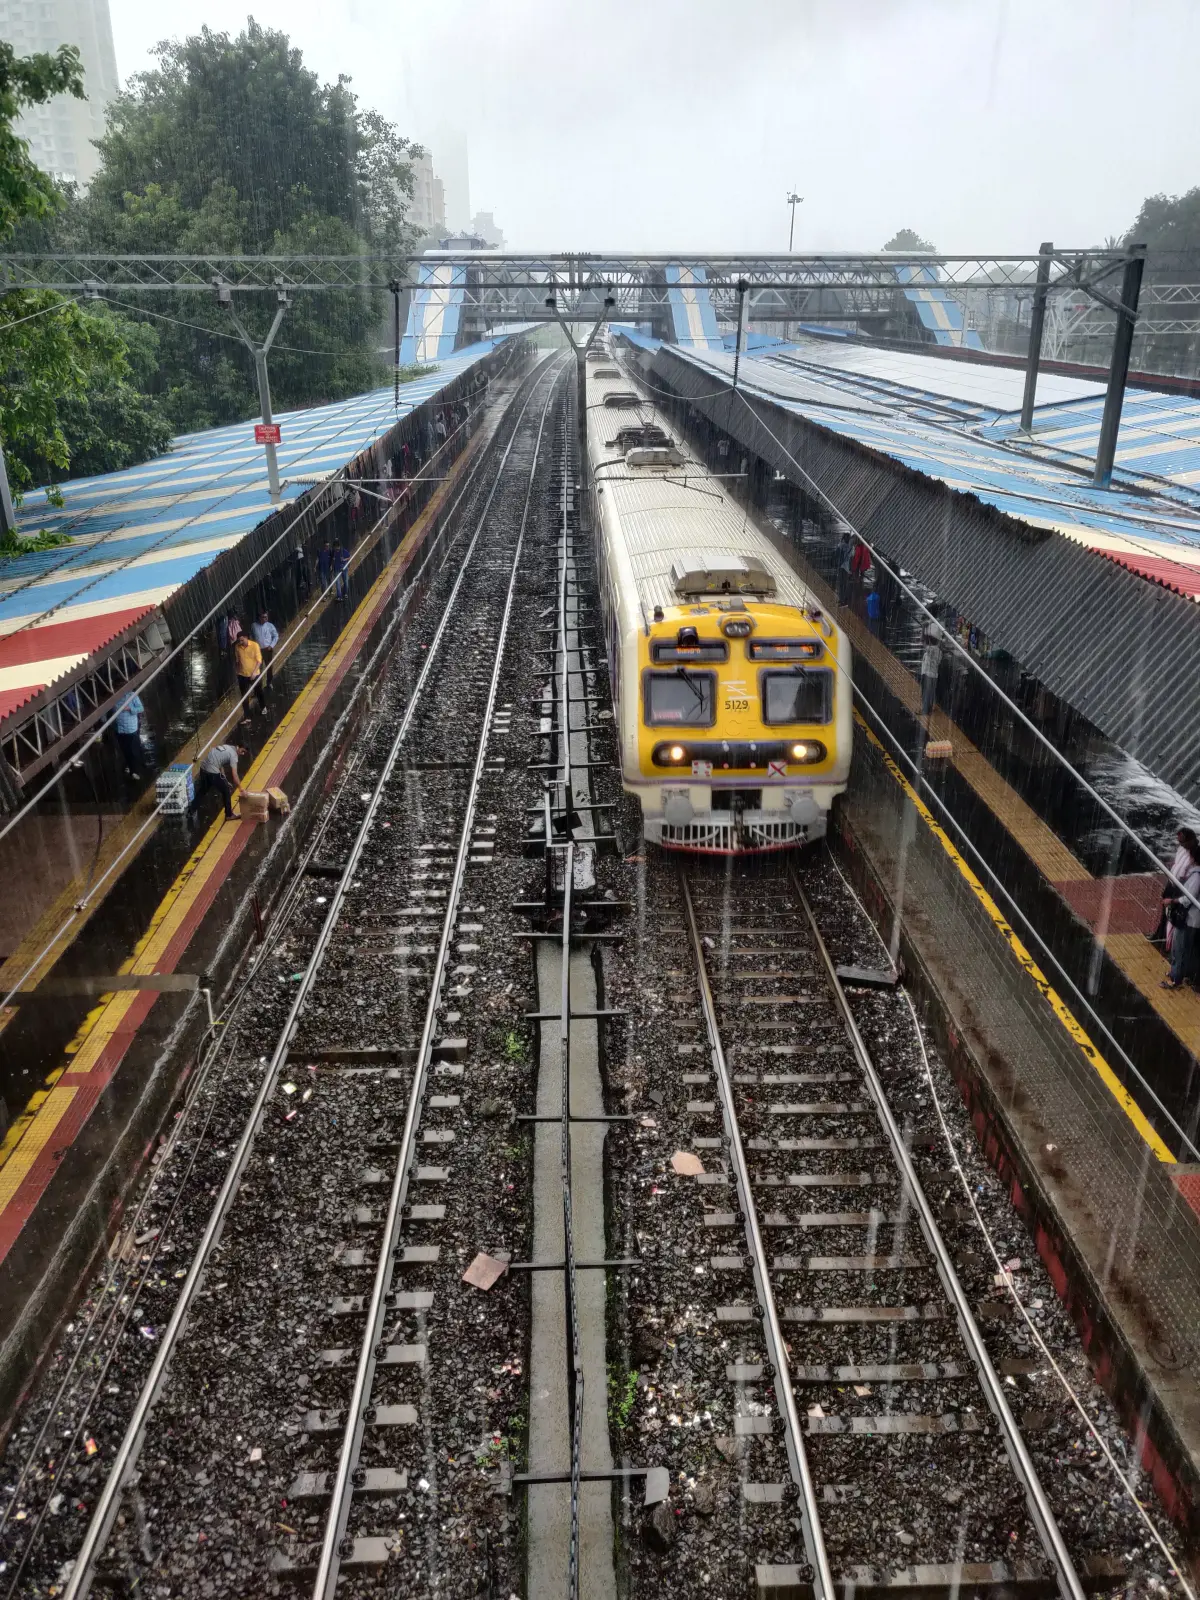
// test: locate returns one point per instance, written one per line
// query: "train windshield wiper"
(692, 685)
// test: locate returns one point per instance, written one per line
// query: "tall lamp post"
(793, 200)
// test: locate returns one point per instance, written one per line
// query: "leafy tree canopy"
(243, 126)
(909, 239)
(26, 191)
(70, 379)
(233, 146)
(1168, 222)
(229, 146)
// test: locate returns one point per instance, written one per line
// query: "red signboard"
(266, 433)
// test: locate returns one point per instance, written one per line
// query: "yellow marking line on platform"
(31, 1139)
(1078, 1035)
(30, 1131)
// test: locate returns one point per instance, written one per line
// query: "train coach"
(730, 685)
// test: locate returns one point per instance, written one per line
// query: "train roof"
(669, 510)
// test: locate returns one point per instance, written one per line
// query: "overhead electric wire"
(216, 333)
(59, 305)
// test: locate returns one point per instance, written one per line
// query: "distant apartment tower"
(60, 133)
(484, 224)
(428, 210)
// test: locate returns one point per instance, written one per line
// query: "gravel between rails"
(199, 1500)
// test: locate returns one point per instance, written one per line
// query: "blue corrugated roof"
(139, 534)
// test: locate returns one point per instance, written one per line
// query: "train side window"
(679, 699)
(798, 695)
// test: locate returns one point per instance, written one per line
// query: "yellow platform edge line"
(35, 1124)
(32, 1138)
(1066, 1017)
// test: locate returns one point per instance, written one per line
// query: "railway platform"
(92, 1080)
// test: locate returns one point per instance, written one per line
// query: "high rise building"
(428, 210)
(60, 133)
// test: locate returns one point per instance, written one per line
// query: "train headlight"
(807, 750)
(737, 628)
(676, 752)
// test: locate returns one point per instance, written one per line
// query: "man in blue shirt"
(129, 735)
(266, 637)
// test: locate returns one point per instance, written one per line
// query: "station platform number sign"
(267, 433)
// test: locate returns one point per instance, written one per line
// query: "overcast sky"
(653, 124)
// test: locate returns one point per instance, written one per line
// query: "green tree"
(1168, 222)
(69, 395)
(25, 190)
(232, 146)
(909, 239)
(70, 378)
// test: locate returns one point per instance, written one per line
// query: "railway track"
(355, 1104)
(884, 1342)
(824, 1345)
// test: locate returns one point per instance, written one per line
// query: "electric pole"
(793, 200)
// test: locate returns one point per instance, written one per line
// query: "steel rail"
(814, 1539)
(570, 1280)
(105, 1510)
(329, 1564)
(1022, 1463)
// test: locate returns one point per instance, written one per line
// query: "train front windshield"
(797, 696)
(680, 699)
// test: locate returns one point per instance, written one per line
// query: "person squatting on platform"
(219, 771)
(247, 663)
(1183, 913)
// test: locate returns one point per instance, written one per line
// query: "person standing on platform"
(931, 665)
(266, 637)
(1184, 916)
(341, 564)
(324, 565)
(300, 566)
(845, 556)
(247, 663)
(129, 733)
(860, 563)
(875, 612)
(1176, 911)
(1187, 851)
(219, 771)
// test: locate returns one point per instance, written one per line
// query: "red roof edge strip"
(87, 638)
(1174, 575)
(54, 640)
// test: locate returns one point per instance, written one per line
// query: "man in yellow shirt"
(247, 663)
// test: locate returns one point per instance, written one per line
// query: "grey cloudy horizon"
(987, 125)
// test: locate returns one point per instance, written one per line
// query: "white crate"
(175, 789)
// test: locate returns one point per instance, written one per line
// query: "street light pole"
(794, 200)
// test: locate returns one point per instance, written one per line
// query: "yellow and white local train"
(730, 685)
